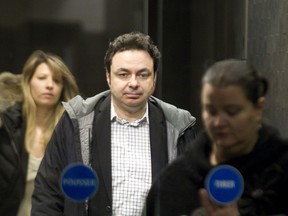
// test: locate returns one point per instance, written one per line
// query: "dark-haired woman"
(233, 99)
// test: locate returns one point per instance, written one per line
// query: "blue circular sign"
(224, 184)
(79, 182)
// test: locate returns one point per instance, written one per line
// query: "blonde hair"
(70, 89)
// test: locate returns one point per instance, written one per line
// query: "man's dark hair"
(132, 41)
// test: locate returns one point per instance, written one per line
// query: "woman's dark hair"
(132, 41)
(237, 72)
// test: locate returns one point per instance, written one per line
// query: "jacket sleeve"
(47, 198)
(186, 140)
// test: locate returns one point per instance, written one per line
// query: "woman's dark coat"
(13, 161)
(265, 173)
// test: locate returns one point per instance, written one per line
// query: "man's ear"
(155, 78)
(108, 78)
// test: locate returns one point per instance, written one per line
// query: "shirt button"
(108, 208)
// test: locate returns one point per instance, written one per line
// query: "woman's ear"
(261, 103)
(260, 107)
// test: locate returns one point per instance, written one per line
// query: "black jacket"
(265, 173)
(13, 161)
(65, 148)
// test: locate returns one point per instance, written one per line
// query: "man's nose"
(133, 81)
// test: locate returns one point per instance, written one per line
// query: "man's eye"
(143, 75)
(123, 75)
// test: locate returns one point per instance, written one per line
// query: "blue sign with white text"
(79, 182)
(224, 184)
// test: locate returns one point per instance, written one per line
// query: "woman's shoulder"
(10, 90)
(12, 116)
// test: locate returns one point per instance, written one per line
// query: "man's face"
(131, 79)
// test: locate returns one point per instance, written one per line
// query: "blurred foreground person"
(126, 135)
(27, 127)
(233, 99)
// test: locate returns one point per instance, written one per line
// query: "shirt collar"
(114, 116)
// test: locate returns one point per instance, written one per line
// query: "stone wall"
(268, 52)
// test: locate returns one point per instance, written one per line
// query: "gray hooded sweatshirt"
(177, 121)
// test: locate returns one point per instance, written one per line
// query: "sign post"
(79, 182)
(224, 184)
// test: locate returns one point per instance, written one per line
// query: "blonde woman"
(28, 127)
